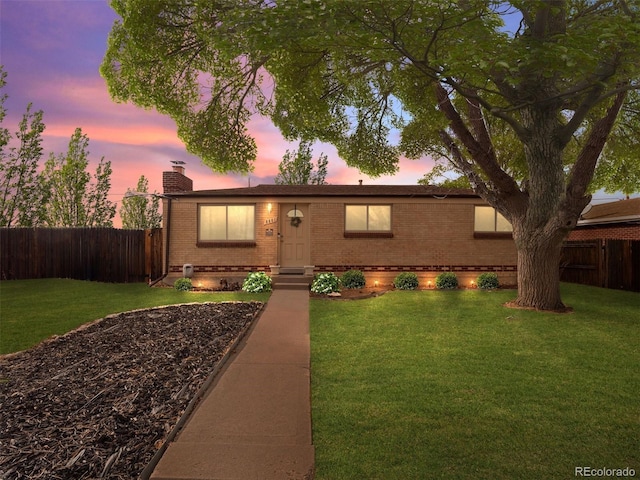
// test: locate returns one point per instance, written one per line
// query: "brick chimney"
(175, 180)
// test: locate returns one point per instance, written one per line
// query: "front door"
(294, 231)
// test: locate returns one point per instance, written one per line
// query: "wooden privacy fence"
(602, 263)
(99, 254)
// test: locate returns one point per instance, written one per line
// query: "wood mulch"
(354, 293)
(100, 401)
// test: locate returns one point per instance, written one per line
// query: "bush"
(183, 284)
(447, 281)
(353, 279)
(257, 282)
(488, 281)
(325, 283)
(406, 281)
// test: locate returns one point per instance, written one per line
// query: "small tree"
(141, 212)
(75, 201)
(20, 193)
(297, 168)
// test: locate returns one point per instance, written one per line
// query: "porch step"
(291, 270)
(291, 281)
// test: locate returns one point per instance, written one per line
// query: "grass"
(32, 310)
(450, 384)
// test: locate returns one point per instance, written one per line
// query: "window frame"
(226, 242)
(495, 233)
(368, 233)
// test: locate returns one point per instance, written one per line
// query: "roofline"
(602, 221)
(252, 192)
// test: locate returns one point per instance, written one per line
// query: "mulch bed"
(354, 293)
(100, 401)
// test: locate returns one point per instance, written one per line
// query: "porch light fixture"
(269, 207)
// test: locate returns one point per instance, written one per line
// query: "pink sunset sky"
(52, 51)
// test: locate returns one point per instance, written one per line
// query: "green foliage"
(406, 281)
(257, 282)
(21, 196)
(297, 168)
(183, 284)
(63, 193)
(439, 175)
(353, 279)
(325, 283)
(141, 212)
(488, 281)
(618, 169)
(447, 281)
(75, 200)
(344, 72)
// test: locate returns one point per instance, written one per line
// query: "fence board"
(99, 254)
(602, 263)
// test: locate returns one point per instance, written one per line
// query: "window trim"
(490, 234)
(225, 243)
(369, 233)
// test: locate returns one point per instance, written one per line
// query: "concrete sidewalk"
(255, 421)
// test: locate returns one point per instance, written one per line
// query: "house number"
(270, 221)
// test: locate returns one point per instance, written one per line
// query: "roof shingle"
(621, 208)
(332, 190)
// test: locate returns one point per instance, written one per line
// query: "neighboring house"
(618, 220)
(380, 229)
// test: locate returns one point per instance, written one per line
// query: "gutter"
(632, 219)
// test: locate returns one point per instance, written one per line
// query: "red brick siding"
(429, 236)
(173, 182)
(613, 232)
(184, 237)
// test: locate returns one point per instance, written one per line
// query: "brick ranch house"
(381, 230)
(609, 221)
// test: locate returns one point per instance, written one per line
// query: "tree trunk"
(539, 270)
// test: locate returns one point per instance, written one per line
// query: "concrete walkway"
(255, 421)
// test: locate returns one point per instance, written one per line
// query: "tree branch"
(484, 159)
(461, 163)
(582, 171)
(496, 112)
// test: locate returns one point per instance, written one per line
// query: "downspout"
(166, 247)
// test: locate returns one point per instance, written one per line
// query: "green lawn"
(32, 310)
(450, 384)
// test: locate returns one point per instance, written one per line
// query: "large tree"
(297, 167)
(75, 199)
(139, 212)
(21, 198)
(524, 112)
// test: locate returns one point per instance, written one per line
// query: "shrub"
(325, 283)
(406, 281)
(257, 282)
(183, 284)
(447, 281)
(353, 279)
(488, 280)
